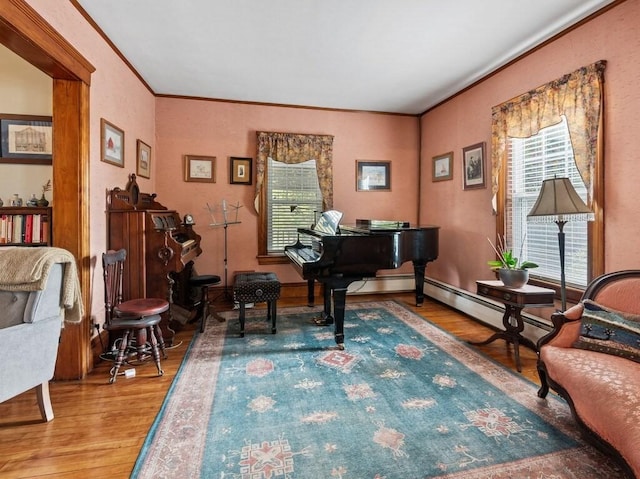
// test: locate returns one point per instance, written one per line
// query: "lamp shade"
(559, 201)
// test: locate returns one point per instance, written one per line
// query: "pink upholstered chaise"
(602, 389)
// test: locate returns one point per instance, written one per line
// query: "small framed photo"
(373, 175)
(112, 143)
(200, 169)
(26, 139)
(443, 167)
(143, 160)
(240, 171)
(473, 166)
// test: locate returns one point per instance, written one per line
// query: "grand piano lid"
(369, 226)
(328, 222)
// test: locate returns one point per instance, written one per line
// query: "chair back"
(617, 290)
(113, 270)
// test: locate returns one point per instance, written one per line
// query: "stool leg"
(160, 340)
(205, 307)
(120, 357)
(154, 350)
(273, 308)
(242, 308)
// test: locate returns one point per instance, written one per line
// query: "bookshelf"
(25, 226)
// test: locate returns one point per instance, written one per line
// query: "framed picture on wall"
(473, 170)
(443, 167)
(143, 160)
(200, 169)
(112, 143)
(26, 139)
(240, 171)
(373, 175)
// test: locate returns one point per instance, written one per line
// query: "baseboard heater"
(479, 308)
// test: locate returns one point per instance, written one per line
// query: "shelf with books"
(25, 226)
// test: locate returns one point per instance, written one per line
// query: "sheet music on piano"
(339, 255)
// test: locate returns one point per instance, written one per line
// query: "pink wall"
(466, 216)
(174, 127)
(224, 129)
(118, 96)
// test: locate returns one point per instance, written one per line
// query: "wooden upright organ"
(158, 245)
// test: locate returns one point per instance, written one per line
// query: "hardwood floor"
(99, 428)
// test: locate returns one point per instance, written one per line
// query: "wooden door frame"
(26, 33)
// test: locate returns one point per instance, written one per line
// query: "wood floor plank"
(99, 427)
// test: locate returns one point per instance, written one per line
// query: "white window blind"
(532, 160)
(293, 199)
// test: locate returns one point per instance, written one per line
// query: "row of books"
(29, 228)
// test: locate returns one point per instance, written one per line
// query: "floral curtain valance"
(577, 96)
(293, 148)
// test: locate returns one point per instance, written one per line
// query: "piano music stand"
(225, 224)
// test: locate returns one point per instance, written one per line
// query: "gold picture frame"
(200, 169)
(442, 167)
(111, 143)
(240, 171)
(143, 160)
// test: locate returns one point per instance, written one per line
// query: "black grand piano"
(337, 255)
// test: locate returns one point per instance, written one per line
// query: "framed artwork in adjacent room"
(473, 170)
(111, 143)
(443, 167)
(373, 175)
(26, 139)
(240, 171)
(143, 160)
(201, 169)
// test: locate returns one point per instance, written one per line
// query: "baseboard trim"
(482, 309)
(477, 307)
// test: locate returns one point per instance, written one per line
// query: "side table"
(515, 300)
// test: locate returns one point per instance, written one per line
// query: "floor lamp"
(558, 202)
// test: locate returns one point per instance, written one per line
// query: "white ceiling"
(400, 56)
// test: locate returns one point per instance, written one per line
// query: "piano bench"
(257, 288)
(203, 282)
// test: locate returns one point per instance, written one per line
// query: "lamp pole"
(563, 291)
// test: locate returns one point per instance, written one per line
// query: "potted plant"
(512, 271)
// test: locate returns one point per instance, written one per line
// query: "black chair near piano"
(202, 283)
(136, 320)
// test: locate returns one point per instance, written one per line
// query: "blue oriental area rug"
(403, 400)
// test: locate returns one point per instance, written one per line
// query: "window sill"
(573, 294)
(273, 259)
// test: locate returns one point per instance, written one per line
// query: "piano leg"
(339, 303)
(325, 318)
(418, 271)
(338, 288)
(310, 293)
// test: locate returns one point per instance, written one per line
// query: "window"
(293, 199)
(530, 142)
(530, 161)
(294, 180)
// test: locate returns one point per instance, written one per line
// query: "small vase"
(513, 278)
(42, 202)
(33, 201)
(16, 200)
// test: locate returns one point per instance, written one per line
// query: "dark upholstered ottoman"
(257, 288)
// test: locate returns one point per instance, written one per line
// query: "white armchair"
(30, 324)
